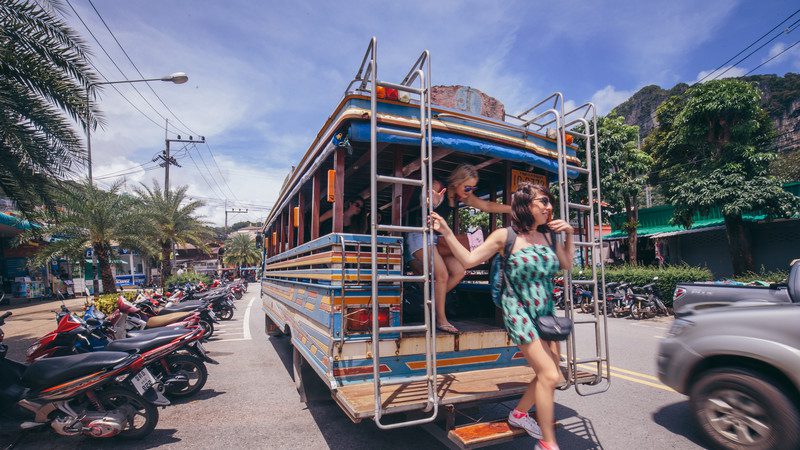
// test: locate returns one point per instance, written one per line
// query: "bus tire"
(270, 327)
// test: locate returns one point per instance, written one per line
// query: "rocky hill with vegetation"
(780, 97)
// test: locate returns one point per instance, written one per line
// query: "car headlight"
(679, 326)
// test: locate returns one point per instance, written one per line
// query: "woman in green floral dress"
(533, 262)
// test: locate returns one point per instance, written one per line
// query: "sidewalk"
(30, 321)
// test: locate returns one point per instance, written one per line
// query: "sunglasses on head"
(470, 188)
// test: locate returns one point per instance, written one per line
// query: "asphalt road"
(250, 401)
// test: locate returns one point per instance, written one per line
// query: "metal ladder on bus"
(580, 122)
(419, 72)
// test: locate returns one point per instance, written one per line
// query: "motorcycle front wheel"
(636, 312)
(225, 313)
(189, 366)
(209, 329)
(142, 415)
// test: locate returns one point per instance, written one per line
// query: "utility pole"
(231, 211)
(167, 160)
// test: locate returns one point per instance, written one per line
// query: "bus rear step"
(483, 434)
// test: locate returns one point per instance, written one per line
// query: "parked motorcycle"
(647, 304)
(100, 394)
(174, 355)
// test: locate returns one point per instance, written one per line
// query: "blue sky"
(263, 76)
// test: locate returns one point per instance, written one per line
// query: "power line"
(136, 68)
(220, 172)
(115, 65)
(203, 176)
(209, 172)
(779, 54)
(757, 49)
(190, 131)
(746, 48)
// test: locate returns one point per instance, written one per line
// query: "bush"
(668, 277)
(188, 277)
(107, 303)
(777, 276)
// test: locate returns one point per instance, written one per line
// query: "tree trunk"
(166, 266)
(104, 263)
(739, 245)
(632, 215)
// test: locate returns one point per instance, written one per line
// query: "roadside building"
(774, 243)
(195, 259)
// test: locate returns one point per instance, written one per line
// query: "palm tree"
(44, 74)
(87, 216)
(240, 250)
(173, 219)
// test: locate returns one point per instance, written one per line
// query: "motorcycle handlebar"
(6, 315)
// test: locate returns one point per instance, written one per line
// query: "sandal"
(449, 328)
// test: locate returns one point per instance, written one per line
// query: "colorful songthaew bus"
(337, 277)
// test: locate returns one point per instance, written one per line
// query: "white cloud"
(724, 72)
(792, 54)
(607, 98)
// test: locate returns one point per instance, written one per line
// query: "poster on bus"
(518, 176)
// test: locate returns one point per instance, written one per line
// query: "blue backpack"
(497, 278)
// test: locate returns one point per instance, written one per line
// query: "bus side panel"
(353, 371)
(306, 312)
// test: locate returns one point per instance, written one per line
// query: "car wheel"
(738, 409)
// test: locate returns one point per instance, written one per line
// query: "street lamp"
(177, 78)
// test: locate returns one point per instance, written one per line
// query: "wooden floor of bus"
(359, 402)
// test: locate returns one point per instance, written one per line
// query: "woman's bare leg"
(544, 385)
(455, 272)
(441, 281)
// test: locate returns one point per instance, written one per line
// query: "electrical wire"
(137, 68)
(113, 62)
(777, 55)
(748, 47)
(203, 176)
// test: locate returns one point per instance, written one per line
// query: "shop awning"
(15, 222)
(116, 261)
(661, 231)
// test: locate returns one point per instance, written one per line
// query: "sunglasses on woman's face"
(469, 189)
(545, 201)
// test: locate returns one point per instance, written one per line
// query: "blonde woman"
(447, 270)
(534, 260)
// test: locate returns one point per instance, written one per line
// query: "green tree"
(240, 251)
(712, 149)
(172, 219)
(87, 216)
(624, 169)
(44, 74)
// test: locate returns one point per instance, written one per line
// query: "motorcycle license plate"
(143, 381)
(212, 315)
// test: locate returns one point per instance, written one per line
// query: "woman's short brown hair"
(521, 216)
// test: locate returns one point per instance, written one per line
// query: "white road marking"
(246, 319)
(234, 339)
(659, 337)
(648, 326)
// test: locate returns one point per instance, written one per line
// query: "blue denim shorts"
(413, 243)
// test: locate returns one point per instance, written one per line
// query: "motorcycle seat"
(181, 307)
(155, 331)
(145, 342)
(167, 319)
(50, 372)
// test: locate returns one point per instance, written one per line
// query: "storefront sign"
(518, 176)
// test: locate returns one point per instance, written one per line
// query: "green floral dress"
(529, 290)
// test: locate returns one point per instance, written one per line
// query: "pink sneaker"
(527, 423)
(541, 445)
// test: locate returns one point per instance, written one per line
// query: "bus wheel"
(271, 328)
